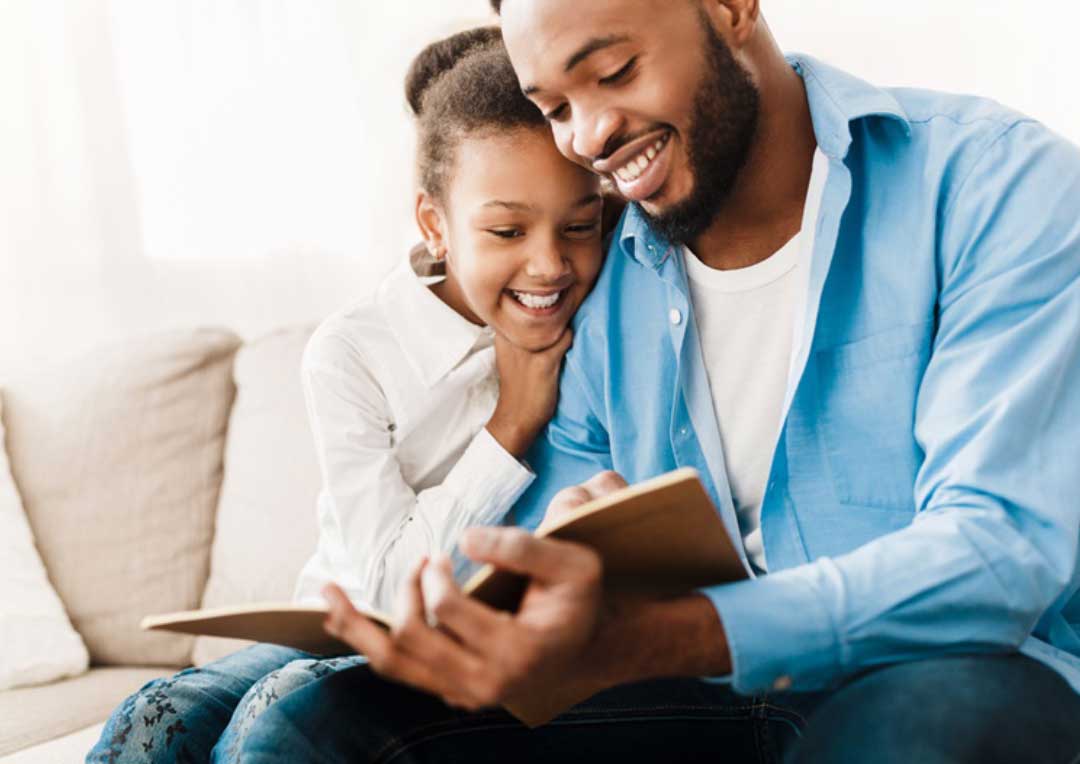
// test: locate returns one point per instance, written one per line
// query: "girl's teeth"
(651, 153)
(536, 301)
(642, 162)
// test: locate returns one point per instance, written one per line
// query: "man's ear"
(432, 224)
(734, 20)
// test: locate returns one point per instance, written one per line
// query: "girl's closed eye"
(585, 230)
(506, 233)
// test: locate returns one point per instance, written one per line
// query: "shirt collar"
(432, 336)
(836, 98)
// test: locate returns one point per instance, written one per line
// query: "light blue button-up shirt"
(924, 496)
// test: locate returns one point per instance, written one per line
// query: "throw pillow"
(37, 641)
(118, 458)
(267, 525)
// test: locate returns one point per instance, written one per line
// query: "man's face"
(644, 92)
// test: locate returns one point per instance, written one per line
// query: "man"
(857, 312)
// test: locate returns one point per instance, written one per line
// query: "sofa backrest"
(118, 458)
(266, 518)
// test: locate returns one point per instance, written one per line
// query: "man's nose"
(593, 131)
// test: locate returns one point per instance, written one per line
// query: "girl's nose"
(546, 264)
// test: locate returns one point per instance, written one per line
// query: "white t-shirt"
(749, 320)
(399, 389)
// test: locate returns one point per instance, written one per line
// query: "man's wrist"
(659, 638)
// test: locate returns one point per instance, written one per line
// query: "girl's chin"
(533, 339)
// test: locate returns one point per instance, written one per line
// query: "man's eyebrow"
(582, 53)
(592, 46)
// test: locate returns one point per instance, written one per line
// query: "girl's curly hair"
(461, 86)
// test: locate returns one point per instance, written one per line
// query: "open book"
(662, 536)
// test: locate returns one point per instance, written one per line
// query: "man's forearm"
(652, 639)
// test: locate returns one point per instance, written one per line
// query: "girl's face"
(521, 231)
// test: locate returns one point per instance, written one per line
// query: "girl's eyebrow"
(588, 199)
(584, 201)
(519, 206)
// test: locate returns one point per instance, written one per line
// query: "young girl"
(424, 398)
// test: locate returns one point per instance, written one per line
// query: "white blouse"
(399, 389)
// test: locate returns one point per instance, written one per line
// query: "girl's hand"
(528, 390)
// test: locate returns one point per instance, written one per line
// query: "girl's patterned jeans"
(203, 714)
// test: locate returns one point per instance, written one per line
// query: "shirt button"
(675, 316)
(782, 683)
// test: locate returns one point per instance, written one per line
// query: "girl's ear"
(432, 225)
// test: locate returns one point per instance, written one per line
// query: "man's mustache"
(616, 142)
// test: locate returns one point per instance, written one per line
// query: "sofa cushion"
(118, 457)
(71, 747)
(33, 715)
(266, 523)
(37, 642)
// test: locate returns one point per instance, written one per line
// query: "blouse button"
(675, 316)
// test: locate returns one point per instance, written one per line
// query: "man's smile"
(640, 168)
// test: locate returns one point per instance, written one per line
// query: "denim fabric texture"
(203, 714)
(356, 716)
(986, 709)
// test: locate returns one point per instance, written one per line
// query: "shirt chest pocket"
(867, 393)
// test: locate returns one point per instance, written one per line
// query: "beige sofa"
(162, 474)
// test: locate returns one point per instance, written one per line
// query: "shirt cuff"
(486, 481)
(780, 635)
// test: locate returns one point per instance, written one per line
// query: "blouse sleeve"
(384, 525)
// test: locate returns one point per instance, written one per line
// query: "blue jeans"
(964, 709)
(203, 714)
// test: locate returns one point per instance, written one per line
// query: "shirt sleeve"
(994, 540)
(384, 525)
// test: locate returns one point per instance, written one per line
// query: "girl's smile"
(521, 229)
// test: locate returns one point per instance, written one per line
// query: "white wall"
(247, 162)
(1021, 54)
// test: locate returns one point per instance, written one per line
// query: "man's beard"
(721, 133)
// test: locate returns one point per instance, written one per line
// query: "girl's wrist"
(511, 436)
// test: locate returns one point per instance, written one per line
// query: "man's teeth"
(536, 301)
(637, 166)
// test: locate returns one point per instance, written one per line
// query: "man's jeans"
(963, 709)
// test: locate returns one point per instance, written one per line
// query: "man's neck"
(765, 207)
